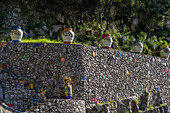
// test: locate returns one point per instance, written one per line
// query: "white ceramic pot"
(137, 47)
(165, 51)
(67, 35)
(106, 41)
(16, 34)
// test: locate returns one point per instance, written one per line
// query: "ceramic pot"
(106, 41)
(16, 34)
(67, 35)
(165, 51)
(137, 46)
(67, 88)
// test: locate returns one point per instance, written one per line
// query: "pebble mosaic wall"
(42, 65)
(60, 106)
(97, 74)
(112, 75)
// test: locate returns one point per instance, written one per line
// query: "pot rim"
(164, 46)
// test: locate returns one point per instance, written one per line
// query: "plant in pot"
(67, 35)
(106, 41)
(137, 46)
(165, 51)
(16, 34)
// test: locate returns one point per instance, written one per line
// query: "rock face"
(13, 16)
(96, 75)
(26, 15)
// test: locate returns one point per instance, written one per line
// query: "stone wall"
(44, 69)
(97, 74)
(59, 106)
(112, 75)
(128, 105)
(160, 109)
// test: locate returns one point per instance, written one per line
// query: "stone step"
(74, 106)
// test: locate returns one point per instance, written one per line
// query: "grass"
(108, 102)
(39, 41)
(137, 102)
(44, 40)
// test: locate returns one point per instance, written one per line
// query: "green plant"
(121, 102)
(142, 36)
(138, 100)
(163, 33)
(151, 107)
(146, 50)
(127, 111)
(161, 104)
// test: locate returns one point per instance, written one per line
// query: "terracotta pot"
(165, 51)
(67, 35)
(137, 46)
(16, 34)
(106, 41)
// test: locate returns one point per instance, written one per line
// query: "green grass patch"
(107, 102)
(44, 40)
(39, 41)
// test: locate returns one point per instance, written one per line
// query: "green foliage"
(151, 42)
(142, 36)
(146, 50)
(127, 111)
(154, 44)
(151, 107)
(161, 104)
(138, 100)
(162, 33)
